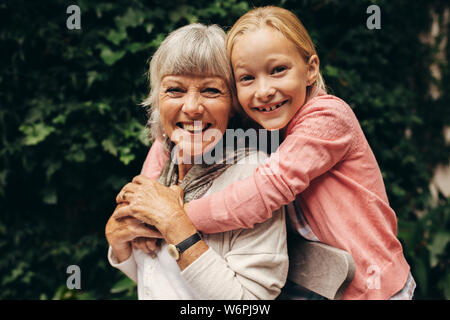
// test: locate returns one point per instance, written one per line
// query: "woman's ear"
(312, 69)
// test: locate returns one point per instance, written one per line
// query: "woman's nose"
(192, 105)
(264, 91)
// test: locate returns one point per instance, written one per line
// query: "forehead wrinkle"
(170, 79)
(202, 80)
(218, 81)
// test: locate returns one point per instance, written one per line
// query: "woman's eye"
(278, 69)
(174, 90)
(212, 90)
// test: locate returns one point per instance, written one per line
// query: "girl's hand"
(151, 202)
(121, 232)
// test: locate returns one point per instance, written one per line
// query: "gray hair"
(192, 49)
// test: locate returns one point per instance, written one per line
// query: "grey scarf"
(201, 176)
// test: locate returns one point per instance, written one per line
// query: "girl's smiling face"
(271, 76)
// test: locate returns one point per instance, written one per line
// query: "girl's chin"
(273, 124)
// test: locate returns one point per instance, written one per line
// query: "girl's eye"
(278, 69)
(245, 78)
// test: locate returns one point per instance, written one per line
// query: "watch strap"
(176, 250)
(187, 243)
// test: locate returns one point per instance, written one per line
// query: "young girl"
(324, 165)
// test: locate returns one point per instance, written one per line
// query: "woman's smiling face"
(194, 110)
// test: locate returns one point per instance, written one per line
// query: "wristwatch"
(176, 250)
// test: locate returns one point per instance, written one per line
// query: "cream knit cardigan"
(240, 264)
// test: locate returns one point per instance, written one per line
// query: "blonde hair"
(192, 49)
(285, 22)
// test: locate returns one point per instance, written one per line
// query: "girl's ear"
(313, 69)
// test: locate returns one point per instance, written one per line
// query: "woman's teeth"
(268, 109)
(194, 127)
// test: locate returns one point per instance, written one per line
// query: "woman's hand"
(152, 203)
(162, 207)
(148, 245)
(124, 232)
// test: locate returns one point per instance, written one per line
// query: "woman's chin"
(192, 154)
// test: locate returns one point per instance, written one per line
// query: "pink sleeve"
(318, 140)
(156, 158)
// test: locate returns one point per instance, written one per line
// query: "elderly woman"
(191, 101)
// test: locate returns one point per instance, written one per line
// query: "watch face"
(173, 251)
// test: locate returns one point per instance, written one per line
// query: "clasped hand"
(150, 202)
(155, 206)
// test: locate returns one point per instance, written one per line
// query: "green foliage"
(72, 132)
(427, 242)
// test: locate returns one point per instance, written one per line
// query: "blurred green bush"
(72, 133)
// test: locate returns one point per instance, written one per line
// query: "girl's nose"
(192, 105)
(264, 91)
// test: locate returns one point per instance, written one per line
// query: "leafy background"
(72, 133)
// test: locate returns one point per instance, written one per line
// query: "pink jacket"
(326, 164)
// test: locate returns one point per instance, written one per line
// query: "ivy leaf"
(93, 76)
(52, 167)
(437, 247)
(421, 275)
(126, 156)
(131, 18)
(116, 36)
(123, 285)
(137, 46)
(331, 71)
(60, 119)
(143, 137)
(149, 27)
(110, 57)
(109, 146)
(444, 285)
(35, 133)
(103, 107)
(76, 154)
(50, 197)
(3, 178)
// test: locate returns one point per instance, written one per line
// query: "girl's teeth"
(267, 109)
